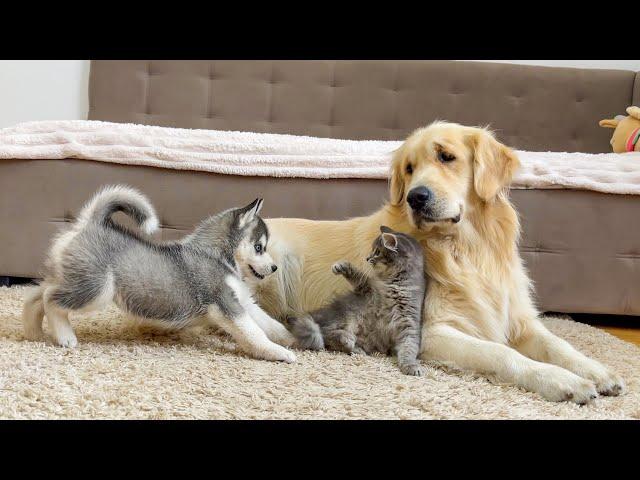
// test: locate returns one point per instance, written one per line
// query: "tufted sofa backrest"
(530, 108)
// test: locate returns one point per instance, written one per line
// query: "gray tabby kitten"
(384, 311)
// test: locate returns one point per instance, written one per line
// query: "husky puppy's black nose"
(274, 268)
(419, 197)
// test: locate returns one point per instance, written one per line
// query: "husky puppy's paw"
(290, 358)
(67, 341)
(65, 337)
(272, 353)
(34, 333)
(282, 355)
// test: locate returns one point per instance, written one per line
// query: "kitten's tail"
(307, 332)
(120, 198)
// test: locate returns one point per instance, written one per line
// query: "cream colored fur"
(479, 313)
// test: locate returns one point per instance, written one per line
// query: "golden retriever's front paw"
(276, 353)
(608, 383)
(559, 385)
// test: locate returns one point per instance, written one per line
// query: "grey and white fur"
(171, 284)
(383, 313)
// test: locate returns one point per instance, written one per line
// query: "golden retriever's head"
(442, 171)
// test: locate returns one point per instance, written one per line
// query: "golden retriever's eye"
(445, 157)
(409, 169)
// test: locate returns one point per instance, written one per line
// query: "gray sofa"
(582, 248)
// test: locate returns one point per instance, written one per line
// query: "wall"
(57, 89)
(43, 90)
(612, 64)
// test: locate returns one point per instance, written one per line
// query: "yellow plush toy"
(626, 137)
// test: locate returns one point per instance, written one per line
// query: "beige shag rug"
(118, 373)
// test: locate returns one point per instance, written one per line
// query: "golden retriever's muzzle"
(425, 207)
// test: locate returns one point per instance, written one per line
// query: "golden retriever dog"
(449, 189)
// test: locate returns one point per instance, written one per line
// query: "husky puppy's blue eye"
(258, 247)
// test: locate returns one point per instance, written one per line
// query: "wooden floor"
(626, 327)
(631, 335)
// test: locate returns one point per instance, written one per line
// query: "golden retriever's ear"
(493, 165)
(396, 188)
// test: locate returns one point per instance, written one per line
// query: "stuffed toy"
(626, 136)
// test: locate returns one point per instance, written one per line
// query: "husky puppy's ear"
(385, 229)
(249, 213)
(259, 206)
(390, 241)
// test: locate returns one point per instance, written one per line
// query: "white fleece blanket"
(262, 154)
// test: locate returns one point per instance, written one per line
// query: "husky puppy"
(171, 284)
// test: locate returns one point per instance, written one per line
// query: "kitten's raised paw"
(414, 369)
(339, 268)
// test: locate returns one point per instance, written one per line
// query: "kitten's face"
(392, 252)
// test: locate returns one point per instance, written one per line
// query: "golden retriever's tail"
(307, 332)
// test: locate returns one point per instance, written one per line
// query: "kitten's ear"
(250, 212)
(385, 229)
(390, 241)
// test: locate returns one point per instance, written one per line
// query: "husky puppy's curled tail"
(307, 332)
(120, 198)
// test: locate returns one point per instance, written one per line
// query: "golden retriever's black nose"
(274, 268)
(419, 197)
